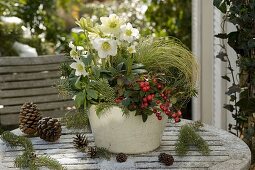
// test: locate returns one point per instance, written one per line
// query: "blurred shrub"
(47, 29)
(171, 18)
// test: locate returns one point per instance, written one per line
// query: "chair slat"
(30, 76)
(41, 106)
(25, 61)
(28, 69)
(28, 84)
(35, 99)
(28, 92)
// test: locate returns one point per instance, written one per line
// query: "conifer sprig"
(29, 159)
(189, 137)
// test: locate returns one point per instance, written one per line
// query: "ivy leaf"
(222, 56)
(139, 71)
(233, 89)
(222, 36)
(232, 98)
(251, 43)
(226, 78)
(126, 102)
(221, 5)
(229, 107)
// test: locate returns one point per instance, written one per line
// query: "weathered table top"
(227, 153)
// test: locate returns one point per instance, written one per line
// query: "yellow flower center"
(80, 67)
(128, 32)
(106, 46)
(113, 24)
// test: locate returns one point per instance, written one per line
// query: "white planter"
(127, 134)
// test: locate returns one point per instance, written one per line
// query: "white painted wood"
(227, 151)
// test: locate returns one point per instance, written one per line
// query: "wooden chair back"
(30, 79)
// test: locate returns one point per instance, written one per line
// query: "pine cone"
(166, 159)
(28, 118)
(80, 141)
(121, 157)
(92, 151)
(49, 129)
(161, 157)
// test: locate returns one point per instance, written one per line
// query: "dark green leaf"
(139, 71)
(229, 107)
(137, 66)
(222, 56)
(78, 83)
(232, 98)
(222, 36)
(251, 43)
(92, 93)
(120, 66)
(226, 78)
(79, 99)
(126, 102)
(221, 5)
(233, 89)
(145, 117)
(87, 59)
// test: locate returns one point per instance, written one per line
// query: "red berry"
(144, 88)
(158, 102)
(118, 100)
(142, 84)
(149, 97)
(179, 113)
(168, 113)
(167, 104)
(148, 88)
(159, 117)
(177, 119)
(153, 95)
(145, 104)
(159, 86)
(158, 114)
(165, 97)
(154, 110)
(162, 94)
(154, 80)
(174, 115)
(146, 83)
(145, 100)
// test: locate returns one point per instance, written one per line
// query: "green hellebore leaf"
(229, 107)
(92, 93)
(79, 99)
(226, 78)
(78, 83)
(221, 5)
(145, 117)
(222, 35)
(222, 56)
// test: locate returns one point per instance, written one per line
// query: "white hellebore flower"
(131, 49)
(111, 24)
(105, 47)
(128, 33)
(79, 68)
(71, 45)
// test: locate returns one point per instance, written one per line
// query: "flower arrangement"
(114, 66)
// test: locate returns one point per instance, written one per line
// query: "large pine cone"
(49, 129)
(28, 118)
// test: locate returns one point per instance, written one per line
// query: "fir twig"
(106, 92)
(189, 137)
(49, 163)
(102, 107)
(103, 153)
(28, 159)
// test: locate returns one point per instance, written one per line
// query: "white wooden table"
(227, 153)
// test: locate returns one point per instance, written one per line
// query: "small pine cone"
(80, 141)
(28, 118)
(168, 160)
(92, 151)
(121, 157)
(49, 129)
(161, 157)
